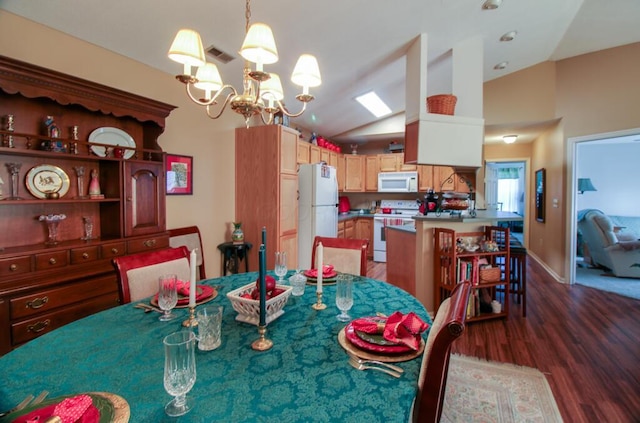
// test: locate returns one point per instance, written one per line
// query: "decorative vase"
(237, 236)
(52, 221)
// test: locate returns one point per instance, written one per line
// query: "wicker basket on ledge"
(442, 104)
(490, 274)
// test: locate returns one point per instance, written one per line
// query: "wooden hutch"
(44, 284)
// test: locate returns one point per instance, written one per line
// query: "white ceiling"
(360, 44)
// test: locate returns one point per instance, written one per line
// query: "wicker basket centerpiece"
(249, 309)
(442, 104)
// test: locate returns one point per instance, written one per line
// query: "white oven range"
(401, 213)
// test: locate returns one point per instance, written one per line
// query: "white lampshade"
(306, 73)
(509, 139)
(208, 78)
(274, 88)
(259, 46)
(187, 48)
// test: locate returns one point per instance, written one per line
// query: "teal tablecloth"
(305, 377)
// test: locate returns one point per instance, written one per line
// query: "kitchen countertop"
(481, 216)
(353, 215)
(404, 228)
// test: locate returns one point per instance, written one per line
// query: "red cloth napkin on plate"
(327, 269)
(404, 329)
(78, 409)
(183, 288)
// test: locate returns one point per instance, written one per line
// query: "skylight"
(372, 102)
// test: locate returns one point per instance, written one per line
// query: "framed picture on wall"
(540, 203)
(179, 175)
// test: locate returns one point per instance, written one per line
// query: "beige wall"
(188, 130)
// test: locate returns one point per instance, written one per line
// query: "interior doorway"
(505, 190)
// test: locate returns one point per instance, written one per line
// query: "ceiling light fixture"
(501, 65)
(509, 139)
(509, 36)
(491, 4)
(374, 104)
(258, 86)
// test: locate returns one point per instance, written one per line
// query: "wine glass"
(344, 296)
(281, 265)
(167, 296)
(179, 370)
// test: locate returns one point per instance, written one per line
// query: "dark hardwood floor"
(586, 341)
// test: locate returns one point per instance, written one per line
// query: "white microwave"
(398, 182)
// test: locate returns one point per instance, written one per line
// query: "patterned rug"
(484, 391)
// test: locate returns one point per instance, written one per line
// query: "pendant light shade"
(187, 48)
(272, 88)
(208, 78)
(259, 46)
(306, 73)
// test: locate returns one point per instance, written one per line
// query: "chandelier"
(262, 92)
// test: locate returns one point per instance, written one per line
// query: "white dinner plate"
(47, 179)
(111, 136)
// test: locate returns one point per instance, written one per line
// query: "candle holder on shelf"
(80, 178)
(319, 304)
(9, 140)
(14, 170)
(52, 221)
(74, 135)
(191, 321)
(262, 343)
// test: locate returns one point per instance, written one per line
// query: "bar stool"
(518, 270)
(232, 254)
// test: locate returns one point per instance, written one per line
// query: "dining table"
(304, 377)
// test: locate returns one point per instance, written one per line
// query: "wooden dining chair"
(345, 255)
(190, 237)
(447, 326)
(138, 273)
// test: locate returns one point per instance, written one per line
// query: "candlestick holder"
(191, 322)
(319, 305)
(9, 140)
(262, 343)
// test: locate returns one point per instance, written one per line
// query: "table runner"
(304, 377)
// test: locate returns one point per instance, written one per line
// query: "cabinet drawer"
(52, 260)
(15, 265)
(44, 301)
(27, 330)
(113, 250)
(147, 244)
(84, 254)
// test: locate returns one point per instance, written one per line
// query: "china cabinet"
(265, 154)
(112, 195)
(479, 257)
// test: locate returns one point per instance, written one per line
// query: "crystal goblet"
(167, 295)
(281, 266)
(344, 296)
(179, 370)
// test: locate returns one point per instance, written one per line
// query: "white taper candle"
(192, 280)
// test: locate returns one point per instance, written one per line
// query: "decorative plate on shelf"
(111, 136)
(43, 180)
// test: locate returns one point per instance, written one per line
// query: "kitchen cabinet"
(324, 155)
(333, 159)
(340, 172)
(45, 285)
(444, 178)
(265, 154)
(394, 162)
(371, 173)
(425, 178)
(354, 166)
(364, 230)
(341, 229)
(350, 229)
(303, 152)
(314, 154)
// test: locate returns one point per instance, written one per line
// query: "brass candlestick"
(191, 322)
(319, 305)
(262, 343)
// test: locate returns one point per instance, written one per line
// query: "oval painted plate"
(351, 335)
(111, 136)
(47, 179)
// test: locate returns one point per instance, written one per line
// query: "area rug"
(595, 278)
(483, 391)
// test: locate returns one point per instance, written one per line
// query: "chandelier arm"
(293, 115)
(213, 99)
(224, 105)
(268, 121)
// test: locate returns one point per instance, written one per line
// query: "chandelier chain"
(247, 15)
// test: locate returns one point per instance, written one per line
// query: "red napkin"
(327, 269)
(183, 288)
(404, 329)
(75, 409)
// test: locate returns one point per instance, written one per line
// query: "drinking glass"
(179, 370)
(281, 265)
(344, 296)
(167, 296)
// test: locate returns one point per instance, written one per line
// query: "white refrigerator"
(317, 208)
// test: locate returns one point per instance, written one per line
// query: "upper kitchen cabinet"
(371, 173)
(394, 162)
(340, 172)
(267, 190)
(303, 152)
(436, 139)
(354, 166)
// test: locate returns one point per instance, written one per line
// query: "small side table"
(232, 254)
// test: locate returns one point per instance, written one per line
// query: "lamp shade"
(208, 78)
(584, 184)
(306, 73)
(271, 89)
(259, 46)
(187, 48)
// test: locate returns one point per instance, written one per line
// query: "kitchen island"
(410, 264)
